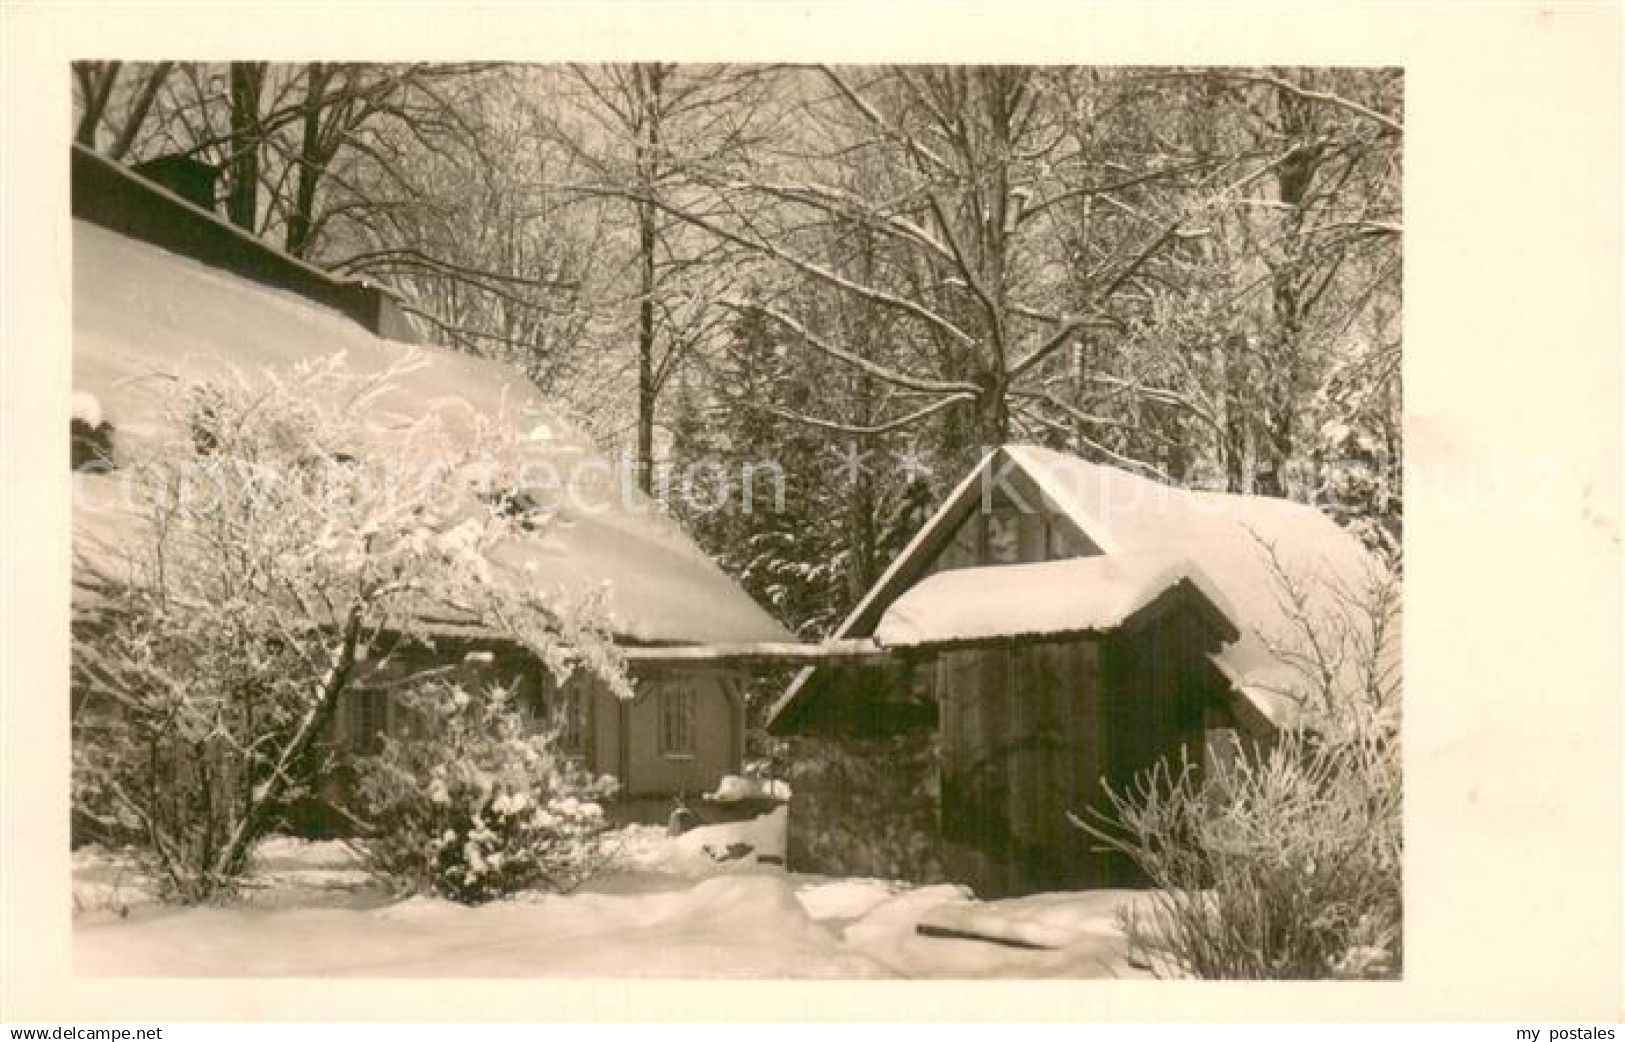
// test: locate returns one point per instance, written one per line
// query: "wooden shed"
(1055, 630)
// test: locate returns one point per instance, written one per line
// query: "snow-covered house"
(161, 285)
(1058, 626)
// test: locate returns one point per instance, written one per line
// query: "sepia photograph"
(772, 521)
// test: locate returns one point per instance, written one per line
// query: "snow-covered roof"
(143, 316)
(1226, 536)
(1050, 598)
(1219, 537)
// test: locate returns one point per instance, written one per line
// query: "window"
(1003, 537)
(676, 722)
(1061, 542)
(369, 719)
(569, 709)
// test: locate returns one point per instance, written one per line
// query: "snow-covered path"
(316, 918)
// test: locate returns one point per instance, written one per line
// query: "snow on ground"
(284, 872)
(646, 858)
(726, 926)
(733, 788)
(109, 881)
(295, 867)
(668, 909)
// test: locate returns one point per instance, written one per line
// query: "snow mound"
(832, 900)
(761, 839)
(732, 789)
(727, 920)
(646, 858)
(284, 869)
(731, 926)
(1059, 920)
(291, 853)
(1077, 933)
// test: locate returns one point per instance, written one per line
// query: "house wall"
(718, 735)
(650, 778)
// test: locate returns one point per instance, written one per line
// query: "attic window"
(1015, 535)
(1061, 543)
(368, 720)
(1003, 537)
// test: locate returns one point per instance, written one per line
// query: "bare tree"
(635, 127)
(976, 162)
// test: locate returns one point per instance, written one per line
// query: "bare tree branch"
(891, 376)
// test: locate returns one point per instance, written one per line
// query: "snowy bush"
(1285, 862)
(1283, 866)
(258, 573)
(479, 807)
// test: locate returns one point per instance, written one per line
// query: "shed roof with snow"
(1045, 599)
(143, 315)
(1143, 540)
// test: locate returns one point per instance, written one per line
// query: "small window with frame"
(676, 722)
(1003, 537)
(569, 708)
(1059, 542)
(369, 720)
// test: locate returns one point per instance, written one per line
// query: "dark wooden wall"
(1036, 733)
(1164, 694)
(1022, 750)
(1162, 687)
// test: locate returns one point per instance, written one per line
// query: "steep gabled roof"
(142, 314)
(1220, 539)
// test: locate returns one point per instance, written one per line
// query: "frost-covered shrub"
(1283, 866)
(250, 572)
(1285, 862)
(477, 805)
